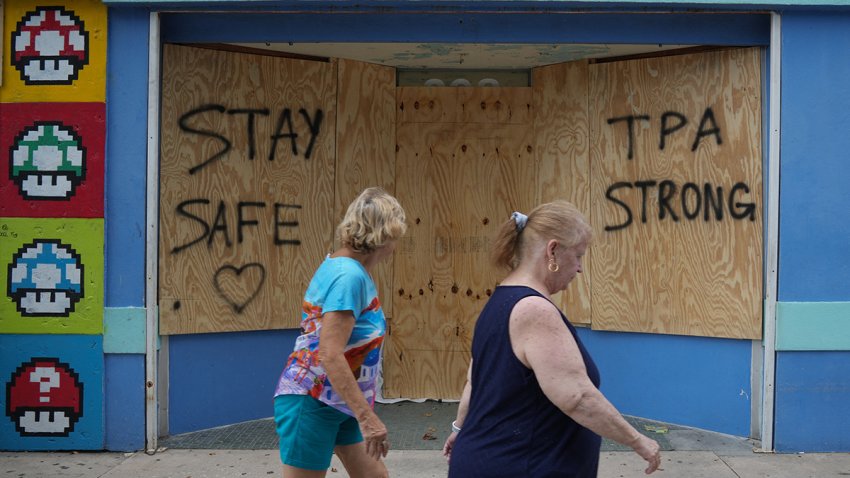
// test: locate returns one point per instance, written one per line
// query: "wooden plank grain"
(560, 102)
(685, 169)
(365, 146)
(458, 181)
(423, 373)
(495, 105)
(427, 105)
(246, 187)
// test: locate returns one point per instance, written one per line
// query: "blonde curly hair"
(373, 219)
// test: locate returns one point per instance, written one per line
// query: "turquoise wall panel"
(124, 330)
(813, 326)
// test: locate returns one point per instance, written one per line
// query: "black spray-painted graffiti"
(667, 129)
(285, 129)
(709, 201)
(230, 222)
(220, 227)
(239, 299)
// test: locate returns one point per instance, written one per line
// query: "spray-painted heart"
(239, 285)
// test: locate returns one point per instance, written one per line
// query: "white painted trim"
(151, 238)
(162, 386)
(772, 253)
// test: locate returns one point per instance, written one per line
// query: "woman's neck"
(364, 258)
(526, 278)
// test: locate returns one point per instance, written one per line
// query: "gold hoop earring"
(553, 267)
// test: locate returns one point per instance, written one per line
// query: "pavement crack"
(728, 465)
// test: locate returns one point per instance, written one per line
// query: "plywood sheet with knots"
(677, 187)
(458, 182)
(247, 187)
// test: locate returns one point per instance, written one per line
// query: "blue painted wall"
(812, 398)
(388, 26)
(694, 381)
(814, 253)
(124, 401)
(126, 156)
(642, 374)
(219, 379)
(813, 387)
(126, 152)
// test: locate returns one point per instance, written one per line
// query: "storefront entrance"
(260, 155)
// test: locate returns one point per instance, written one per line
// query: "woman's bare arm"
(462, 410)
(542, 342)
(333, 336)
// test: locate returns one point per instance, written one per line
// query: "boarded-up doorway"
(632, 143)
(465, 157)
(662, 154)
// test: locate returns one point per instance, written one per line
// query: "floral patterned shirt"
(339, 284)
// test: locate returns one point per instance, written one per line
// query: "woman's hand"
(447, 448)
(649, 450)
(462, 410)
(375, 435)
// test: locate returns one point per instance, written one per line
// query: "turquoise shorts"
(309, 430)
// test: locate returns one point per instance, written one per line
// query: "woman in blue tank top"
(531, 406)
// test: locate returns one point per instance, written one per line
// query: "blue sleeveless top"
(512, 429)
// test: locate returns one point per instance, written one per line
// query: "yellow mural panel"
(54, 52)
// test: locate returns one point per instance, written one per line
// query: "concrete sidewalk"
(687, 453)
(403, 464)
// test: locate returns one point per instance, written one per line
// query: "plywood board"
(495, 105)
(424, 373)
(427, 105)
(677, 194)
(562, 152)
(365, 146)
(247, 187)
(457, 181)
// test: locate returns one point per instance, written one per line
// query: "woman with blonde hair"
(531, 405)
(325, 396)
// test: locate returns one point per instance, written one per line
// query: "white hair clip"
(520, 219)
